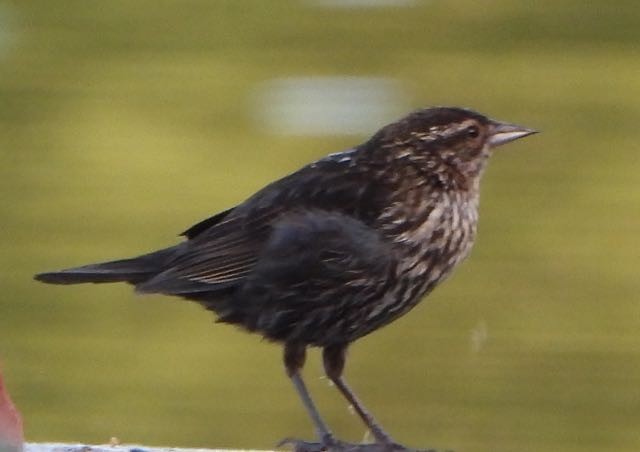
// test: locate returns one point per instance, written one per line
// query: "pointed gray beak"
(503, 132)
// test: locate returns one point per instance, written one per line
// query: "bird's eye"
(473, 131)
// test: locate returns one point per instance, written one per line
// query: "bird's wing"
(317, 269)
(222, 250)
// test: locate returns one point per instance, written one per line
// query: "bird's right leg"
(294, 357)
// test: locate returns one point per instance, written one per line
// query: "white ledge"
(62, 447)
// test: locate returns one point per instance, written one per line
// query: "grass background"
(122, 123)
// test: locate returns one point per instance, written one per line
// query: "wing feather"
(216, 257)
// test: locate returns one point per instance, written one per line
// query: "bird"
(333, 251)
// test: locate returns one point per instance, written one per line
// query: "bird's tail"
(134, 270)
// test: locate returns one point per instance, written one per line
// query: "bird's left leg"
(294, 358)
(334, 359)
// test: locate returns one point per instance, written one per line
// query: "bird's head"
(452, 143)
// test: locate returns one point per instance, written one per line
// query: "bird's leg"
(294, 357)
(334, 360)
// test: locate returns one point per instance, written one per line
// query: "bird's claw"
(334, 445)
(299, 445)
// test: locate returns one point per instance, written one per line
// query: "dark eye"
(473, 131)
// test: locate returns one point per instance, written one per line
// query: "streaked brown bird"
(334, 251)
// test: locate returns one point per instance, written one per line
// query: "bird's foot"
(327, 443)
(330, 444)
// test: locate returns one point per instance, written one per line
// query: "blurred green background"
(122, 123)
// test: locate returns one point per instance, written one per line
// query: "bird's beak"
(502, 132)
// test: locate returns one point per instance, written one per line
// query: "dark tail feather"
(132, 270)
